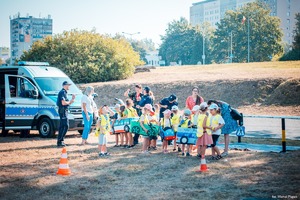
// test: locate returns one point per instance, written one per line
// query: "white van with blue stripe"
(28, 94)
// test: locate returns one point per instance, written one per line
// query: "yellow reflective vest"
(185, 123)
(105, 123)
(131, 112)
(146, 120)
(214, 121)
(175, 120)
(200, 129)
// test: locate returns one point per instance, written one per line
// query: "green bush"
(86, 56)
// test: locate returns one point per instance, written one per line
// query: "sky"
(149, 17)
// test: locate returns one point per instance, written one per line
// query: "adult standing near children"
(147, 98)
(194, 99)
(230, 124)
(167, 103)
(135, 96)
(63, 104)
(87, 107)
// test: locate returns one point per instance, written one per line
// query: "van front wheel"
(46, 129)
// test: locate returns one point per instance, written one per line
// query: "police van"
(28, 94)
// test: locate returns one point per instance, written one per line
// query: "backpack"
(167, 133)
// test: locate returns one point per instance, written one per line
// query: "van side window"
(25, 88)
(12, 86)
(20, 87)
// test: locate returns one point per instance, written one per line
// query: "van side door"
(21, 102)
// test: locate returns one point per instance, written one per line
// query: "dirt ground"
(28, 166)
(212, 72)
(243, 84)
(28, 169)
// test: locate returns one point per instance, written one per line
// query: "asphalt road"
(271, 128)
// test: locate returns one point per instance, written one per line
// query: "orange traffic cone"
(203, 166)
(63, 168)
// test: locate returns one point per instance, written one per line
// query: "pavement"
(253, 147)
(259, 147)
(267, 128)
(271, 128)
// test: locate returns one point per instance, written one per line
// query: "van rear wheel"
(46, 128)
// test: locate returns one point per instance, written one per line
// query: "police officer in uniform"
(63, 104)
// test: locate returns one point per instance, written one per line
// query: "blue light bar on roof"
(27, 63)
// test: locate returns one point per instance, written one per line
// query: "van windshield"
(52, 85)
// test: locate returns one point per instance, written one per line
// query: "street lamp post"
(231, 56)
(131, 34)
(248, 42)
(203, 55)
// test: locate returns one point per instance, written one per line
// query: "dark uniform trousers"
(63, 126)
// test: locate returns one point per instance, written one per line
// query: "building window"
(288, 21)
(288, 14)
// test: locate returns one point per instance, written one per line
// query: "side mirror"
(35, 94)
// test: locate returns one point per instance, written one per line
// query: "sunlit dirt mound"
(235, 92)
(287, 93)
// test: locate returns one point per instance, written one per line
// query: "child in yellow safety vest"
(166, 123)
(186, 123)
(175, 120)
(130, 112)
(145, 119)
(216, 122)
(154, 119)
(203, 131)
(103, 128)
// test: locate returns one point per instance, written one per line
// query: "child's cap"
(203, 106)
(213, 106)
(167, 112)
(174, 107)
(196, 108)
(187, 112)
(148, 106)
(117, 105)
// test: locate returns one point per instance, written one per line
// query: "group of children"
(205, 118)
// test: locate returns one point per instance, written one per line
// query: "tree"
(183, 43)
(142, 47)
(296, 43)
(264, 34)
(86, 56)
